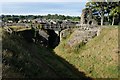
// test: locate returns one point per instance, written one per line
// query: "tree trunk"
(113, 20)
(102, 18)
(108, 19)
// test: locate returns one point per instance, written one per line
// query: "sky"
(42, 7)
(43, 0)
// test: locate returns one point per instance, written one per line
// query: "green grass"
(98, 58)
(22, 59)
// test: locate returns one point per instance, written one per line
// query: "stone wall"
(83, 35)
(65, 33)
(87, 17)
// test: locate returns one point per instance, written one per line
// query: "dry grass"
(98, 58)
(19, 28)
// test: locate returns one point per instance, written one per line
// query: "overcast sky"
(42, 7)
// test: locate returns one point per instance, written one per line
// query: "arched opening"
(90, 22)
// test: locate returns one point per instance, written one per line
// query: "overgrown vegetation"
(98, 58)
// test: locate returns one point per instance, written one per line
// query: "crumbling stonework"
(87, 17)
(83, 17)
(83, 35)
(65, 33)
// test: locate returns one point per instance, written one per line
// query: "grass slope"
(22, 59)
(98, 58)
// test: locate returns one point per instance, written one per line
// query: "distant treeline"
(15, 18)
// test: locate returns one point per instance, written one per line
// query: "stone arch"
(92, 22)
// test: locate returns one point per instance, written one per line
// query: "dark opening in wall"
(90, 22)
(53, 39)
(34, 36)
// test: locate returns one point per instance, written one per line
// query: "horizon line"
(42, 14)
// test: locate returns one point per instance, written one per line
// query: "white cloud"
(54, 0)
(43, 0)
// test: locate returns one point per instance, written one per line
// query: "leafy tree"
(98, 8)
(103, 10)
(15, 20)
(115, 13)
(110, 7)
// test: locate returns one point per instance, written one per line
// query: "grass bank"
(22, 59)
(98, 58)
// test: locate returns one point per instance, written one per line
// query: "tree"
(98, 8)
(15, 20)
(115, 13)
(110, 7)
(104, 9)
